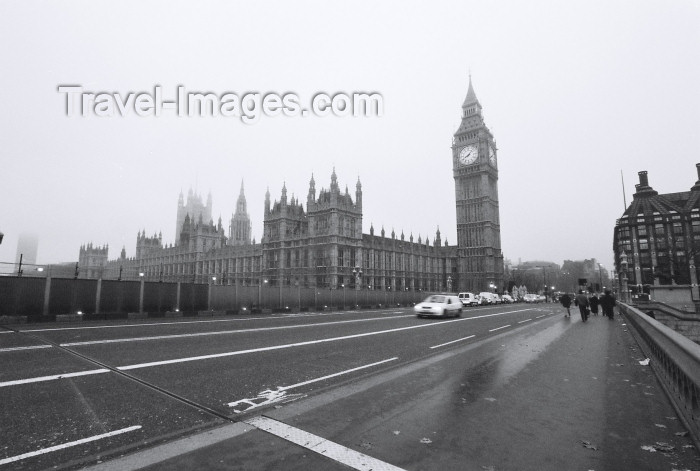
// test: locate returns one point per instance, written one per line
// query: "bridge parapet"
(685, 322)
(676, 362)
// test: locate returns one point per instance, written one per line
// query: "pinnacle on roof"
(471, 96)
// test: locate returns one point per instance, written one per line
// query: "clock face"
(492, 156)
(468, 154)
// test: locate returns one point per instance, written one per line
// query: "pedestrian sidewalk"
(558, 394)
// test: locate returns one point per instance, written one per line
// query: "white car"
(507, 299)
(468, 299)
(439, 305)
(487, 297)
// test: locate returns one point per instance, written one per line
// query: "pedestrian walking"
(565, 300)
(582, 302)
(594, 301)
(607, 303)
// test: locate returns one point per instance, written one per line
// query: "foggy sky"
(574, 92)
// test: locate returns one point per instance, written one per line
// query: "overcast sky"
(574, 92)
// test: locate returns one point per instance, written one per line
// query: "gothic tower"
(475, 170)
(239, 230)
(194, 207)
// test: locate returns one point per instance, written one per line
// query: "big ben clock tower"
(475, 170)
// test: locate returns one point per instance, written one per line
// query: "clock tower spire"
(474, 167)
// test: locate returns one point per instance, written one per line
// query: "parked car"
(439, 305)
(531, 298)
(497, 299)
(487, 297)
(468, 299)
(507, 299)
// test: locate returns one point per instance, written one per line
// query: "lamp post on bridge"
(624, 292)
(544, 276)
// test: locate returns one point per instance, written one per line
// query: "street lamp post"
(544, 276)
(623, 268)
(260, 284)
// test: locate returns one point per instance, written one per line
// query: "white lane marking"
(297, 344)
(353, 459)
(223, 332)
(526, 320)
(259, 329)
(210, 321)
(12, 459)
(53, 377)
(499, 328)
(261, 349)
(31, 347)
(270, 396)
(539, 316)
(304, 383)
(453, 341)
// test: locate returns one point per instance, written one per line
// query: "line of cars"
(447, 305)
(484, 298)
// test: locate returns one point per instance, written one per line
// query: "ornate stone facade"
(322, 244)
(658, 237)
(475, 170)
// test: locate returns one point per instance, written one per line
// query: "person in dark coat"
(594, 301)
(565, 301)
(582, 302)
(607, 303)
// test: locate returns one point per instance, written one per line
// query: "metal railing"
(676, 362)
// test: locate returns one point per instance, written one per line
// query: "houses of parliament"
(321, 243)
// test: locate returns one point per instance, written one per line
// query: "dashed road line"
(31, 347)
(341, 454)
(252, 350)
(499, 328)
(453, 341)
(526, 320)
(12, 459)
(223, 332)
(40, 379)
(209, 321)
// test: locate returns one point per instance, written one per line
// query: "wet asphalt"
(558, 394)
